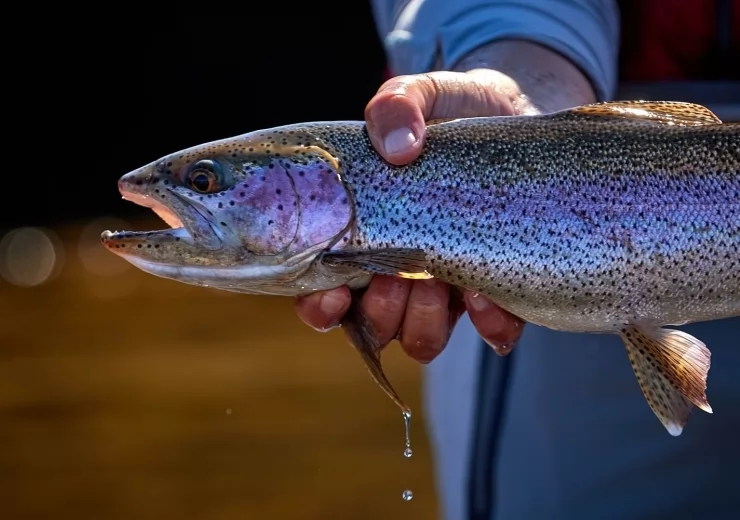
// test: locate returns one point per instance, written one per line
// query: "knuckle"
(425, 309)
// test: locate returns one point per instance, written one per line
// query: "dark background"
(125, 91)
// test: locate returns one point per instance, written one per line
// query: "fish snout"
(136, 182)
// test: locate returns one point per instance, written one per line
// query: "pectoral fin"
(362, 336)
(404, 263)
(671, 367)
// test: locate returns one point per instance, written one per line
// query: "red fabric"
(672, 40)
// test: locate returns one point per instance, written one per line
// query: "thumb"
(396, 115)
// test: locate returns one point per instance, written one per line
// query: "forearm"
(534, 77)
(560, 52)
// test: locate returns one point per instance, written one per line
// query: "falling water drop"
(407, 495)
(408, 452)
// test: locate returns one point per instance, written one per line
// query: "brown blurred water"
(125, 396)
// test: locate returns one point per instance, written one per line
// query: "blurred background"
(124, 396)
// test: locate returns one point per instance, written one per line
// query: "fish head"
(248, 214)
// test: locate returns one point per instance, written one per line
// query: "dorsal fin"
(661, 112)
(441, 120)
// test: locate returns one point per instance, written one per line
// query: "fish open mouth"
(184, 218)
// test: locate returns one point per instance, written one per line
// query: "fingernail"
(399, 140)
(478, 302)
(330, 304)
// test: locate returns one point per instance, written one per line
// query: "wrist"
(534, 78)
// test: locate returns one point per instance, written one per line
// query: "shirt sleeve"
(416, 32)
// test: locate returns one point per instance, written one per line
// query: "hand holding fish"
(423, 313)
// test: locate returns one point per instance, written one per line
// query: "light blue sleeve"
(415, 32)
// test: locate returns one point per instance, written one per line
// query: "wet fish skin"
(611, 218)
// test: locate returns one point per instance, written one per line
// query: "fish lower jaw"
(128, 243)
(238, 277)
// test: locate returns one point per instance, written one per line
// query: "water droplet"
(407, 495)
(408, 452)
(228, 411)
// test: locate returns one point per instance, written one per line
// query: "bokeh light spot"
(30, 256)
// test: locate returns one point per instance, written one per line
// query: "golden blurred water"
(124, 396)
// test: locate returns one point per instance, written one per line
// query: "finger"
(384, 303)
(499, 328)
(425, 328)
(396, 115)
(323, 310)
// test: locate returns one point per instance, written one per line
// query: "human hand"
(422, 314)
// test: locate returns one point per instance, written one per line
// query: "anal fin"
(362, 336)
(401, 262)
(671, 367)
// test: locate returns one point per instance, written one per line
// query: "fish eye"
(205, 176)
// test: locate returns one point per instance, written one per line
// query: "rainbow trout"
(619, 218)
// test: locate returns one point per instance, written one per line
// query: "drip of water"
(407, 424)
(407, 452)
